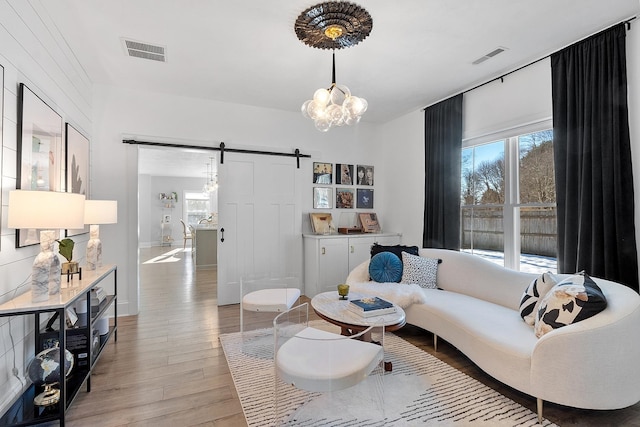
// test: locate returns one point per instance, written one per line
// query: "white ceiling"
(246, 51)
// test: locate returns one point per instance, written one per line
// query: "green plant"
(66, 248)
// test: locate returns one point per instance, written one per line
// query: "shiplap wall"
(33, 53)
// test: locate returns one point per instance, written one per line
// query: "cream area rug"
(420, 391)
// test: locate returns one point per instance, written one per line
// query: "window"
(197, 206)
(508, 201)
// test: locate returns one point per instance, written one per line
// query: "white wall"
(152, 210)
(159, 117)
(35, 55)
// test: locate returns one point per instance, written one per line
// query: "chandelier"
(211, 183)
(333, 25)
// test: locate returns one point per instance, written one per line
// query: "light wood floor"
(168, 369)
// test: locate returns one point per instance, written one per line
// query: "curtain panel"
(594, 181)
(443, 145)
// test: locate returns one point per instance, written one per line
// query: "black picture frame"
(322, 173)
(364, 175)
(40, 152)
(76, 167)
(344, 174)
(364, 198)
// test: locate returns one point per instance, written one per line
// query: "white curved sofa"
(592, 364)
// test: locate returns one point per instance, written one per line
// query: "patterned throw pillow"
(574, 299)
(532, 296)
(420, 270)
(385, 267)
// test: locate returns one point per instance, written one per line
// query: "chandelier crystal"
(211, 183)
(335, 106)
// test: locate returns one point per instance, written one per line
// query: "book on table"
(371, 306)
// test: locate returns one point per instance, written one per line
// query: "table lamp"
(98, 212)
(49, 211)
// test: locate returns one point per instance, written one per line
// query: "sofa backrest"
(471, 275)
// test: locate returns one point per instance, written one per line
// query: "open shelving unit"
(23, 412)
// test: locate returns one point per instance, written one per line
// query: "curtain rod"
(627, 22)
(222, 149)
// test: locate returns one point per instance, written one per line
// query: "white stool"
(276, 299)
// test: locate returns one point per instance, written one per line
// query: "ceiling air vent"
(489, 55)
(145, 50)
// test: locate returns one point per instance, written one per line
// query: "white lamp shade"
(45, 210)
(100, 211)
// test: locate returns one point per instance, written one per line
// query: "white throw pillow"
(420, 270)
(574, 299)
(537, 289)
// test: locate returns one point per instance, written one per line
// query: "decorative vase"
(343, 291)
(70, 267)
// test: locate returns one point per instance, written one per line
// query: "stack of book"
(371, 306)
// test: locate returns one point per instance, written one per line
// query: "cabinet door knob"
(323, 251)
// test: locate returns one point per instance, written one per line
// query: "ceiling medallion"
(333, 25)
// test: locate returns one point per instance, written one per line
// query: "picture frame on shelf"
(40, 152)
(344, 174)
(345, 198)
(322, 223)
(322, 197)
(364, 175)
(369, 222)
(322, 173)
(364, 198)
(76, 167)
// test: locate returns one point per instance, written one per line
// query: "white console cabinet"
(328, 259)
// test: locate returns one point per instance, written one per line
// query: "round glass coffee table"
(329, 307)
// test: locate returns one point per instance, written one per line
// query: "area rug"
(420, 391)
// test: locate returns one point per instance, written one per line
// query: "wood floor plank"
(168, 368)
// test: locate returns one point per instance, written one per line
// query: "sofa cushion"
(534, 293)
(573, 299)
(396, 249)
(385, 267)
(420, 270)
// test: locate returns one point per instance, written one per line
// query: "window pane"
(537, 181)
(538, 239)
(197, 207)
(483, 174)
(483, 232)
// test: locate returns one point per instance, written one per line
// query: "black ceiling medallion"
(333, 25)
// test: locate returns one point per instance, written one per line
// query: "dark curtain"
(594, 181)
(443, 145)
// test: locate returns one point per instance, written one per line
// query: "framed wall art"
(322, 197)
(364, 198)
(322, 223)
(77, 166)
(364, 175)
(369, 222)
(344, 174)
(344, 198)
(322, 173)
(40, 159)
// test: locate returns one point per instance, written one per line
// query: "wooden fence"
(538, 230)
